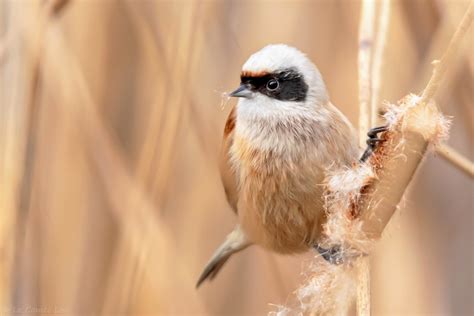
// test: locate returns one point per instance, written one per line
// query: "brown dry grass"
(110, 124)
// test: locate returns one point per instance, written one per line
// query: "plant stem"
(456, 159)
(366, 36)
(377, 64)
(441, 66)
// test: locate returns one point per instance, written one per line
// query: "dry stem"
(398, 159)
(441, 66)
(379, 53)
(370, 70)
(366, 36)
(363, 287)
(456, 159)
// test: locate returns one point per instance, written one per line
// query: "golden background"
(111, 115)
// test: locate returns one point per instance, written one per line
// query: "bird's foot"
(338, 255)
(373, 141)
(333, 255)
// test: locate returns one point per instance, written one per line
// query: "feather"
(235, 242)
(228, 176)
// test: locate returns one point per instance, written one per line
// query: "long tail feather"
(235, 242)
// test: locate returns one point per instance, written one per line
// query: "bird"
(280, 141)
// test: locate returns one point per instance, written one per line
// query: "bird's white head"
(280, 80)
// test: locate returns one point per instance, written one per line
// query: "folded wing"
(229, 179)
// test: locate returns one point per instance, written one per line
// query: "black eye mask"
(291, 85)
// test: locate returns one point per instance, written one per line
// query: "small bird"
(279, 142)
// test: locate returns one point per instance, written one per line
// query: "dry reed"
(109, 131)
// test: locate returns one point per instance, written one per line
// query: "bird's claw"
(338, 255)
(333, 255)
(373, 141)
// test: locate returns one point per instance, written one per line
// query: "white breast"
(318, 132)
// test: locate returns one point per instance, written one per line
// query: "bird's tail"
(234, 242)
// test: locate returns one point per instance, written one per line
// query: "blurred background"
(111, 116)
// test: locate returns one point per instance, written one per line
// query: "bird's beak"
(241, 92)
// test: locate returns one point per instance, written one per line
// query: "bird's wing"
(229, 179)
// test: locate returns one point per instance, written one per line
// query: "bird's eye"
(272, 85)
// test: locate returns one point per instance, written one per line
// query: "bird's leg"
(373, 141)
(332, 255)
